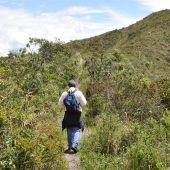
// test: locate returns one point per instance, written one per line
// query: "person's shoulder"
(64, 93)
(79, 92)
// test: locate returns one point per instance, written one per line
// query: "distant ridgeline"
(125, 76)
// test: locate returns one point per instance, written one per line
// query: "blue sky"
(129, 6)
(68, 19)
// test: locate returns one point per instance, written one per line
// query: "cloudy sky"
(67, 19)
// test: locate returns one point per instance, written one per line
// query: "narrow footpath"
(73, 159)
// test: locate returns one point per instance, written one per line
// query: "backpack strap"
(72, 92)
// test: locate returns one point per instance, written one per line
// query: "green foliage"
(100, 66)
(139, 97)
(116, 144)
(30, 142)
(117, 54)
(98, 161)
(125, 76)
(165, 91)
(96, 104)
(105, 148)
(30, 118)
(130, 95)
(145, 82)
(150, 149)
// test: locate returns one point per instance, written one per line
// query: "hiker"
(73, 100)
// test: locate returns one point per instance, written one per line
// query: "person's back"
(78, 94)
(72, 119)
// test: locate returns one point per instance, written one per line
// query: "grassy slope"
(145, 41)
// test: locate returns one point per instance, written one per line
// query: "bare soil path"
(73, 159)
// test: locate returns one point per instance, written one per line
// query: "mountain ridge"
(148, 30)
(147, 42)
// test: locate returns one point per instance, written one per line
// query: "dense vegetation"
(30, 118)
(125, 75)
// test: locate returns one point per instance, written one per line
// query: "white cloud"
(17, 26)
(121, 20)
(82, 10)
(156, 5)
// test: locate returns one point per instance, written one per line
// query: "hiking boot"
(68, 150)
(75, 150)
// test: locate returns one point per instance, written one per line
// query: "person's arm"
(82, 99)
(61, 99)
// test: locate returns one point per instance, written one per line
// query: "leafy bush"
(165, 91)
(116, 144)
(30, 141)
(150, 149)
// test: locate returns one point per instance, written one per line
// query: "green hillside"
(152, 31)
(125, 76)
(147, 40)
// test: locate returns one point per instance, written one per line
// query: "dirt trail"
(73, 159)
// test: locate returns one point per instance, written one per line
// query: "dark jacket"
(73, 119)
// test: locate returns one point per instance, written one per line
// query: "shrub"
(145, 82)
(30, 146)
(149, 151)
(164, 84)
(105, 148)
(117, 145)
